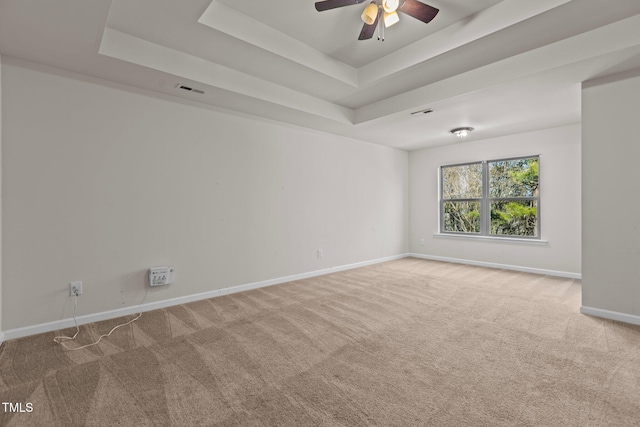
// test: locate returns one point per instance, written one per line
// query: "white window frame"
(485, 203)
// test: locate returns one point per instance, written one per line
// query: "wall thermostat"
(159, 276)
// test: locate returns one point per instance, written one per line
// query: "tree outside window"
(495, 198)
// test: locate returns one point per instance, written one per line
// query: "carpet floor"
(404, 343)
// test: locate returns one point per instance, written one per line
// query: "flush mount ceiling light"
(381, 14)
(461, 132)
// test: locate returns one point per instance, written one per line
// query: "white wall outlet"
(421, 242)
(160, 276)
(75, 288)
(319, 253)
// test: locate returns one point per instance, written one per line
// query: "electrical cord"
(61, 339)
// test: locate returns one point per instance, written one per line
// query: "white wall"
(1, 334)
(101, 183)
(611, 230)
(559, 150)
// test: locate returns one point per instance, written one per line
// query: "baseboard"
(566, 274)
(111, 314)
(611, 315)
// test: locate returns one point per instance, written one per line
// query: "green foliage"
(527, 177)
(517, 218)
(513, 178)
(462, 217)
(513, 185)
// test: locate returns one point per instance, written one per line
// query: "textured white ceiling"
(502, 67)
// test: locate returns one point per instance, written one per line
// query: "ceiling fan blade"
(368, 30)
(333, 4)
(418, 10)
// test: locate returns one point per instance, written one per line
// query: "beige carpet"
(404, 343)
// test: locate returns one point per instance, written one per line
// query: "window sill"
(538, 242)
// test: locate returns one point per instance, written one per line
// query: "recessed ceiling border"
(495, 18)
(126, 47)
(236, 24)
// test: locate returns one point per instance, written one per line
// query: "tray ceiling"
(502, 67)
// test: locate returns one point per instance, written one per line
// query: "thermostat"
(159, 276)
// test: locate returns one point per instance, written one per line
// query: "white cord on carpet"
(60, 339)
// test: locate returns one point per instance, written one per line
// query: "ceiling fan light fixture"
(370, 13)
(390, 6)
(461, 132)
(391, 19)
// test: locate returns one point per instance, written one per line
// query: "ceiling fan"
(385, 9)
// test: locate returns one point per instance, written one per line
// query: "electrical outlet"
(75, 288)
(319, 253)
(421, 242)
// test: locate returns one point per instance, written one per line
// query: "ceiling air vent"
(418, 113)
(190, 89)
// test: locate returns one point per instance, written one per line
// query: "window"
(497, 198)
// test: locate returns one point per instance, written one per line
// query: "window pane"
(514, 218)
(514, 178)
(462, 182)
(462, 217)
